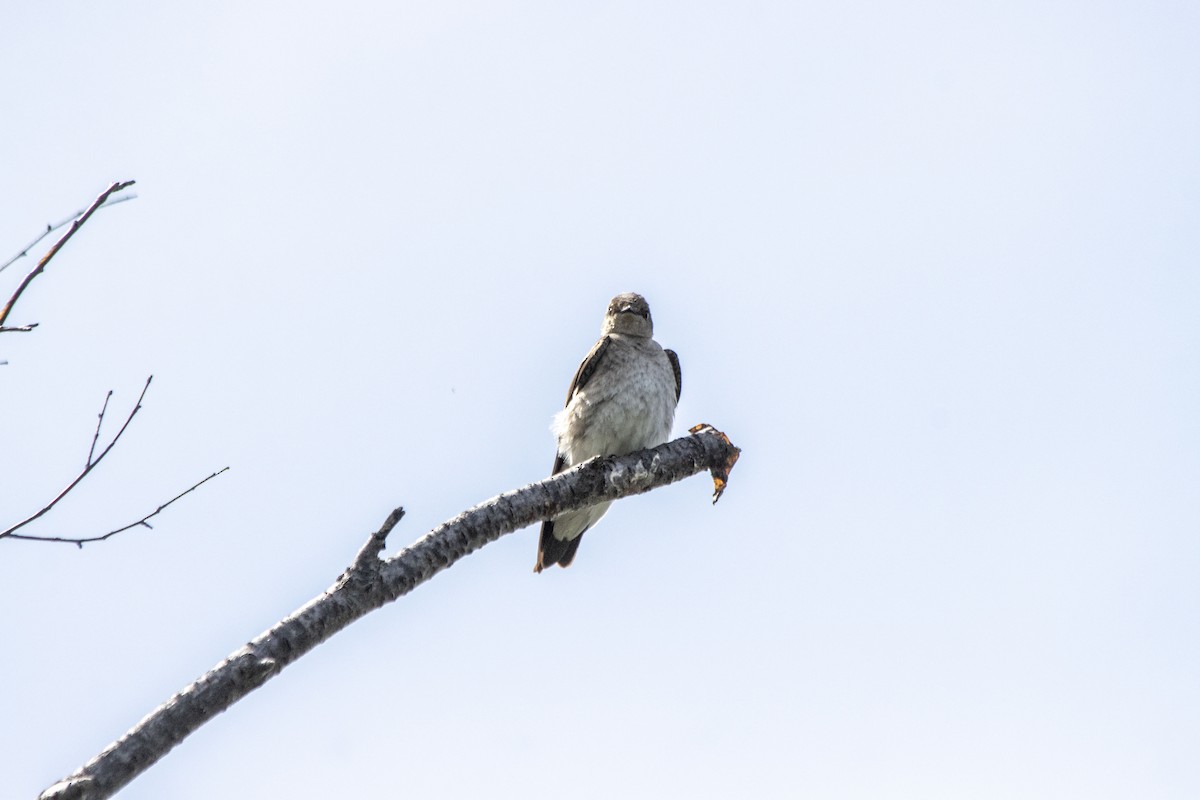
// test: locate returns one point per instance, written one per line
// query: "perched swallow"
(622, 399)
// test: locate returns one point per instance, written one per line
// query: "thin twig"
(144, 521)
(52, 227)
(41, 265)
(100, 422)
(88, 467)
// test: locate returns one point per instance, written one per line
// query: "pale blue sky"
(934, 267)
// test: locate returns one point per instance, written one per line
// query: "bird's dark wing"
(552, 550)
(674, 359)
(587, 367)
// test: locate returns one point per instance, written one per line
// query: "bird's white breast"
(628, 405)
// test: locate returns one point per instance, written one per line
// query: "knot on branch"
(636, 475)
(255, 670)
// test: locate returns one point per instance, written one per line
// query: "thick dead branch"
(370, 583)
(93, 460)
(41, 265)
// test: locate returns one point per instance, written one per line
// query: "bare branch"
(41, 265)
(93, 460)
(87, 467)
(52, 227)
(144, 521)
(369, 584)
(78, 219)
(100, 422)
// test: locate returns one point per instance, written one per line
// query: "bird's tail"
(552, 550)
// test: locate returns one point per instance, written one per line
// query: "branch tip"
(720, 473)
(393, 519)
(368, 555)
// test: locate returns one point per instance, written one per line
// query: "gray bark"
(370, 582)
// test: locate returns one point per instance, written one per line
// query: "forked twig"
(93, 460)
(144, 521)
(51, 227)
(41, 265)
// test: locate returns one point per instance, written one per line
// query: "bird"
(622, 399)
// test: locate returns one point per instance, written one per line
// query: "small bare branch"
(143, 522)
(88, 467)
(41, 265)
(93, 460)
(100, 422)
(51, 227)
(368, 556)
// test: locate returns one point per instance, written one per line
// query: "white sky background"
(933, 267)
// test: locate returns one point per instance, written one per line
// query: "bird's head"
(629, 314)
